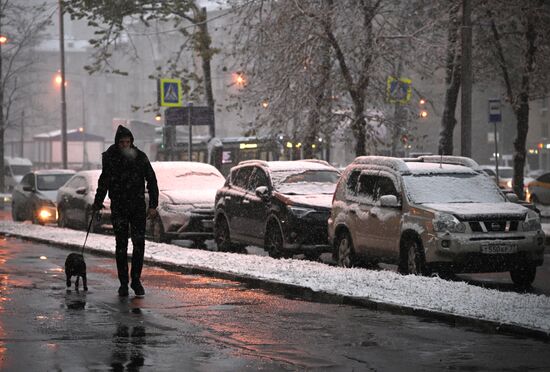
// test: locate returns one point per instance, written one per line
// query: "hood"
(123, 132)
(50, 195)
(480, 210)
(204, 198)
(318, 200)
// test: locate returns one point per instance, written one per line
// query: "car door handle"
(227, 198)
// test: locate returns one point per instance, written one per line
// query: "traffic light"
(422, 111)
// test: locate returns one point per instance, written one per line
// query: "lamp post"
(3, 40)
(63, 102)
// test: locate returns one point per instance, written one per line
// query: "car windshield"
(174, 179)
(305, 181)
(19, 170)
(452, 188)
(48, 182)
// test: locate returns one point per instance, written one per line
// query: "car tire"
(62, 219)
(14, 214)
(412, 260)
(274, 242)
(222, 235)
(524, 276)
(158, 233)
(345, 252)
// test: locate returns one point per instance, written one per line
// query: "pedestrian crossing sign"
(170, 93)
(398, 90)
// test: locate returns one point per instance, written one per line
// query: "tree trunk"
(452, 82)
(206, 52)
(522, 112)
(359, 126)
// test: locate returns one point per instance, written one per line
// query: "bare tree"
(23, 26)
(114, 21)
(306, 55)
(517, 40)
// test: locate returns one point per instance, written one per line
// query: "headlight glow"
(44, 214)
(448, 222)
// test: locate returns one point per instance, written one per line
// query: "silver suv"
(432, 214)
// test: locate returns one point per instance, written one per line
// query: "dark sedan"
(75, 199)
(34, 197)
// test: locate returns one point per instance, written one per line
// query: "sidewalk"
(458, 302)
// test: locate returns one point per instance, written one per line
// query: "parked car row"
(426, 214)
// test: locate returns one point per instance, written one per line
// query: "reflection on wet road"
(196, 323)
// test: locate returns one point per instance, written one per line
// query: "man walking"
(124, 171)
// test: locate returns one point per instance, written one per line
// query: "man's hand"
(152, 213)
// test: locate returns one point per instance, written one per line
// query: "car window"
(351, 184)
(49, 182)
(241, 178)
(365, 187)
(545, 178)
(384, 186)
(258, 178)
(28, 180)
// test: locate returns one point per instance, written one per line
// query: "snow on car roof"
(187, 165)
(54, 171)
(296, 165)
(433, 168)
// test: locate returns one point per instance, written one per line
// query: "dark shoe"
(123, 291)
(138, 289)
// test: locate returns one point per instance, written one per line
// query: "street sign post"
(495, 116)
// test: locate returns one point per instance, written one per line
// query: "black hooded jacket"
(124, 175)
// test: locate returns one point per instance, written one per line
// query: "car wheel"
(222, 235)
(62, 218)
(412, 258)
(14, 214)
(158, 232)
(345, 253)
(524, 276)
(274, 242)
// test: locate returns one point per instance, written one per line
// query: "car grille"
(494, 225)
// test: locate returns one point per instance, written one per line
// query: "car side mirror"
(389, 201)
(262, 192)
(512, 197)
(28, 188)
(81, 190)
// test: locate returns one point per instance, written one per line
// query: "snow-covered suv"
(432, 214)
(281, 206)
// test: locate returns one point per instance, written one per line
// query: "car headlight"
(177, 208)
(509, 184)
(532, 222)
(448, 222)
(300, 211)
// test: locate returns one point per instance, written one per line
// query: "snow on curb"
(431, 294)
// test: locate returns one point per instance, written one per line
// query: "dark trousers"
(129, 219)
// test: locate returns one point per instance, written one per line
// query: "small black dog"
(75, 266)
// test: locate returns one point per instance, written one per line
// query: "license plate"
(499, 248)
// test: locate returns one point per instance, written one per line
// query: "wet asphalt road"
(196, 323)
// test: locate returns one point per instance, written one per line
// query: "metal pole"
(189, 124)
(496, 151)
(63, 102)
(22, 133)
(466, 85)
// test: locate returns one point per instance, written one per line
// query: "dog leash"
(88, 232)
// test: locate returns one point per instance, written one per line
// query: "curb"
(308, 294)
